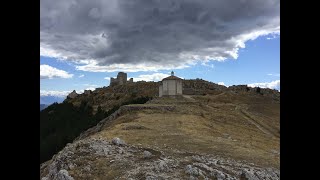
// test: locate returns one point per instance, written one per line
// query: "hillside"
(43, 106)
(110, 97)
(224, 133)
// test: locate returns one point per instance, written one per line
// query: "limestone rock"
(118, 141)
(101, 153)
(163, 167)
(191, 171)
(63, 175)
(147, 154)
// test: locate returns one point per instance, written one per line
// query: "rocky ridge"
(94, 158)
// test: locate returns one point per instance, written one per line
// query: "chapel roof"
(172, 78)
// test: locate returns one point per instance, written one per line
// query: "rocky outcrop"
(95, 158)
(72, 95)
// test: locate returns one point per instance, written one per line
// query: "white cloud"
(54, 93)
(151, 77)
(207, 65)
(49, 52)
(222, 83)
(93, 67)
(89, 88)
(274, 36)
(48, 72)
(63, 93)
(91, 85)
(82, 75)
(271, 85)
(109, 36)
(270, 74)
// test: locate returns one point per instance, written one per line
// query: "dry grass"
(213, 125)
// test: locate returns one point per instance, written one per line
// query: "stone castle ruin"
(170, 86)
(120, 80)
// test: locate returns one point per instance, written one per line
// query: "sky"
(229, 42)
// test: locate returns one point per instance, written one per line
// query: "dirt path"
(260, 126)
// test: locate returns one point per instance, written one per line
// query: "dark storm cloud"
(152, 32)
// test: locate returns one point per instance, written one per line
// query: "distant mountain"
(51, 99)
(43, 106)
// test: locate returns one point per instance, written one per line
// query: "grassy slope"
(242, 126)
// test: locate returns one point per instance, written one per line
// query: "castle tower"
(120, 80)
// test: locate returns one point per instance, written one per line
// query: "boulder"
(147, 154)
(117, 141)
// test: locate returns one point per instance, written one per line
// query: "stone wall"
(113, 81)
(179, 87)
(171, 88)
(165, 88)
(122, 78)
(160, 91)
